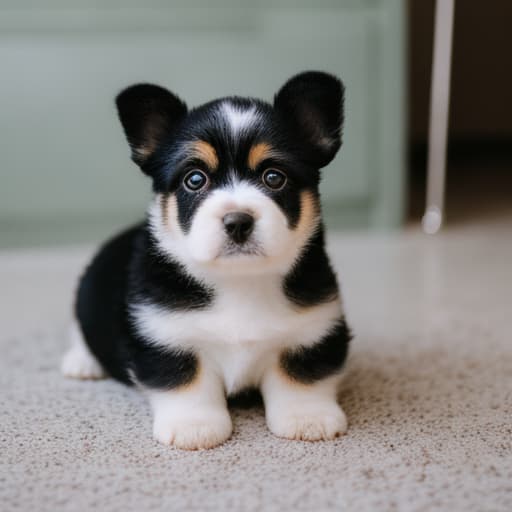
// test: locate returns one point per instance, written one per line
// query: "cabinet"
(65, 172)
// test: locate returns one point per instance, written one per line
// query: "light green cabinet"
(65, 173)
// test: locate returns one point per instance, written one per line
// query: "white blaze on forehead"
(239, 119)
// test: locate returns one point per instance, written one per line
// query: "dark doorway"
(479, 177)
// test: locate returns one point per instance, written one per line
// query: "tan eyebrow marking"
(205, 152)
(258, 153)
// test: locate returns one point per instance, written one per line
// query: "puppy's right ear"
(148, 113)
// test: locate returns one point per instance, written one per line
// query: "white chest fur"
(249, 323)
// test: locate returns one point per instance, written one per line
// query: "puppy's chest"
(244, 328)
(241, 314)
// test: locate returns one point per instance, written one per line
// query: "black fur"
(126, 267)
(101, 305)
(165, 282)
(312, 280)
(311, 105)
(309, 364)
(160, 368)
(149, 114)
(304, 125)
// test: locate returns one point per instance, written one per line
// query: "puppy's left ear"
(312, 105)
(149, 113)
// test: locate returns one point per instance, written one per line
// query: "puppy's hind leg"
(79, 362)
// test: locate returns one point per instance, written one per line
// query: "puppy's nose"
(238, 226)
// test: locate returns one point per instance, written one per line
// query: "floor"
(428, 395)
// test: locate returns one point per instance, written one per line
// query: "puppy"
(226, 286)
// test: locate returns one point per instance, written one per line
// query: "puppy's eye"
(195, 180)
(274, 179)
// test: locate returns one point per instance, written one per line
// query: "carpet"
(428, 395)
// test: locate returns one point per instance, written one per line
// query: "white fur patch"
(79, 362)
(239, 119)
(243, 332)
(193, 417)
(302, 412)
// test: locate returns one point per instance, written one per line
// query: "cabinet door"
(66, 174)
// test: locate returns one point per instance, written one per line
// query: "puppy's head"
(236, 179)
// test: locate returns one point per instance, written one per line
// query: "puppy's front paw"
(313, 422)
(204, 429)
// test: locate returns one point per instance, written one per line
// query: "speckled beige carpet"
(428, 395)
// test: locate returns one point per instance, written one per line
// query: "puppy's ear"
(148, 113)
(312, 105)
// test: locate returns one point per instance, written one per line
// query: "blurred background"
(66, 176)
(479, 177)
(428, 387)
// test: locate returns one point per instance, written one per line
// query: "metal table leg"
(439, 108)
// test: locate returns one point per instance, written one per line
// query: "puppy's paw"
(308, 422)
(205, 429)
(79, 363)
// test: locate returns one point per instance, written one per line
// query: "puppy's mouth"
(233, 250)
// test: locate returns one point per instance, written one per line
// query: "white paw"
(308, 423)
(205, 429)
(79, 363)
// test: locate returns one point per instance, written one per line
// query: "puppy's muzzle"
(238, 226)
